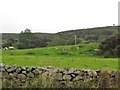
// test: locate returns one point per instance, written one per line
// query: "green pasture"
(75, 56)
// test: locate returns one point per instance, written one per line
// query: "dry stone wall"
(49, 77)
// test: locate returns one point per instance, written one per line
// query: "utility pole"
(75, 39)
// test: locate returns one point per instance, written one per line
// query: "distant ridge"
(73, 30)
(96, 33)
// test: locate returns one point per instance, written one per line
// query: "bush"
(110, 47)
(116, 51)
(107, 54)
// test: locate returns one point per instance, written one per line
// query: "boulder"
(2, 69)
(24, 72)
(70, 71)
(11, 69)
(58, 76)
(28, 69)
(33, 68)
(21, 76)
(30, 75)
(7, 67)
(23, 68)
(73, 75)
(66, 77)
(11, 76)
(77, 72)
(36, 72)
(94, 73)
(18, 70)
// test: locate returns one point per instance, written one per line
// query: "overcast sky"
(53, 16)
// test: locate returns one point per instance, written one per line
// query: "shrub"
(116, 51)
(110, 47)
(107, 54)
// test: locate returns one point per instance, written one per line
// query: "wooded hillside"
(61, 38)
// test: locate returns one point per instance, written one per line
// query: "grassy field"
(61, 57)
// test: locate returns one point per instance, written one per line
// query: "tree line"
(26, 39)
